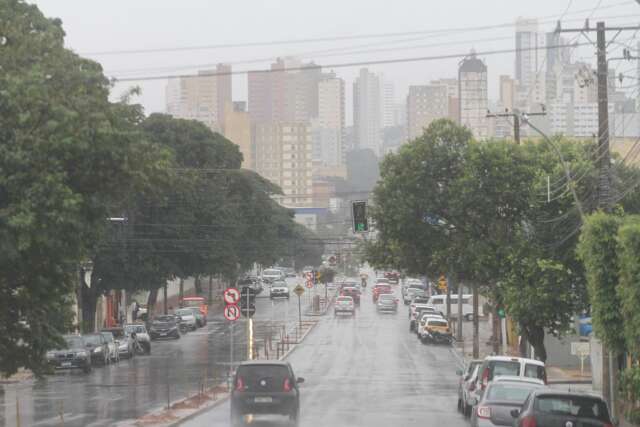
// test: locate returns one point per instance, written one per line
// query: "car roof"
(513, 359)
(516, 379)
(264, 362)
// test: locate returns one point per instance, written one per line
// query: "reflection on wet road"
(134, 387)
(367, 371)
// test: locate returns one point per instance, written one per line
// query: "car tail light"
(484, 412)
(287, 385)
(485, 378)
(529, 422)
(239, 384)
(472, 386)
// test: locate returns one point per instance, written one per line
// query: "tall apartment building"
(367, 114)
(388, 97)
(453, 93)
(237, 129)
(283, 155)
(289, 93)
(576, 119)
(328, 128)
(472, 77)
(530, 59)
(424, 105)
(202, 97)
(507, 92)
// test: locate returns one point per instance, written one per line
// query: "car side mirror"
(515, 413)
(299, 380)
(459, 372)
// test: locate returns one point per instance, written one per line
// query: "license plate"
(66, 364)
(263, 400)
(163, 334)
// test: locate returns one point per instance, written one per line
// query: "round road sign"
(309, 284)
(299, 290)
(231, 296)
(232, 312)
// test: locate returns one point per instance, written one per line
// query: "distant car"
(500, 398)
(411, 292)
(418, 314)
(112, 344)
(547, 407)
(465, 384)
(344, 304)
(289, 272)
(351, 292)
(200, 319)
(265, 387)
(140, 336)
(124, 340)
(272, 274)
(279, 290)
(383, 280)
(380, 288)
(387, 303)
(435, 330)
(74, 355)
(392, 276)
(164, 327)
(187, 318)
(97, 346)
(254, 282)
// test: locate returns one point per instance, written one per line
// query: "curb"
(223, 399)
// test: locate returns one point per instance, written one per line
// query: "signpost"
(299, 290)
(581, 349)
(231, 312)
(231, 296)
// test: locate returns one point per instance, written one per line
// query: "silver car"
(466, 384)
(187, 318)
(500, 398)
(387, 303)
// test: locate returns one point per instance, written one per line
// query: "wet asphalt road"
(367, 371)
(127, 390)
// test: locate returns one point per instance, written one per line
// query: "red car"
(381, 288)
(351, 292)
(392, 276)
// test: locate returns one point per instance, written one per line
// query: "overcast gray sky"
(98, 25)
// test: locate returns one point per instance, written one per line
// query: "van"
(440, 303)
(493, 366)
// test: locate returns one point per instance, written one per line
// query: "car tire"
(460, 407)
(294, 418)
(468, 317)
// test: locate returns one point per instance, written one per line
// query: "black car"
(557, 408)
(73, 356)
(265, 387)
(97, 346)
(164, 327)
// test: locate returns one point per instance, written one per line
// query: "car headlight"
(97, 350)
(51, 354)
(81, 353)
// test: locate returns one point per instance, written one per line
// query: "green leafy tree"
(628, 291)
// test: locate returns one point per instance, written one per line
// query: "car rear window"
(577, 406)
(509, 392)
(431, 322)
(263, 377)
(389, 297)
(534, 371)
(345, 299)
(500, 367)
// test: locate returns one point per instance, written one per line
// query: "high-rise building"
(453, 92)
(289, 93)
(328, 128)
(388, 103)
(424, 105)
(530, 58)
(237, 129)
(367, 114)
(201, 97)
(472, 77)
(282, 154)
(507, 92)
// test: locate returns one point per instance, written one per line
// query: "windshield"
(138, 329)
(74, 342)
(164, 321)
(108, 336)
(184, 312)
(387, 297)
(344, 299)
(577, 406)
(504, 368)
(437, 323)
(93, 339)
(508, 392)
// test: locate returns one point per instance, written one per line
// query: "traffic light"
(501, 313)
(360, 221)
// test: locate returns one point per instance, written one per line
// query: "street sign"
(248, 311)
(247, 293)
(232, 312)
(580, 348)
(231, 296)
(309, 284)
(298, 290)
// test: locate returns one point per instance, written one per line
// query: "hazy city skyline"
(159, 25)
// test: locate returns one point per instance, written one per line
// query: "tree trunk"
(535, 335)
(181, 292)
(210, 290)
(495, 320)
(151, 303)
(89, 304)
(198, 284)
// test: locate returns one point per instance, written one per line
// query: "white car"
(272, 274)
(279, 290)
(412, 292)
(344, 305)
(187, 318)
(114, 354)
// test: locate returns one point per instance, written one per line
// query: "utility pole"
(604, 167)
(515, 115)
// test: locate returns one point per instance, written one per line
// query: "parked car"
(272, 274)
(74, 355)
(187, 318)
(387, 303)
(435, 330)
(466, 384)
(380, 288)
(392, 276)
(265, 387)
(411, 292)
(97, 346)
(344, 304)
(124, 341)
(419, 300)
(493, 366)
(164, 327)
(112, 345)
(198, 302)
(140, 336)
(351, 292)
(417, 319)
(501, 397)
(279, 290)
(547, 407)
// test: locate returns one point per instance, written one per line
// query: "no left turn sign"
(232, 312)
(231, 296)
